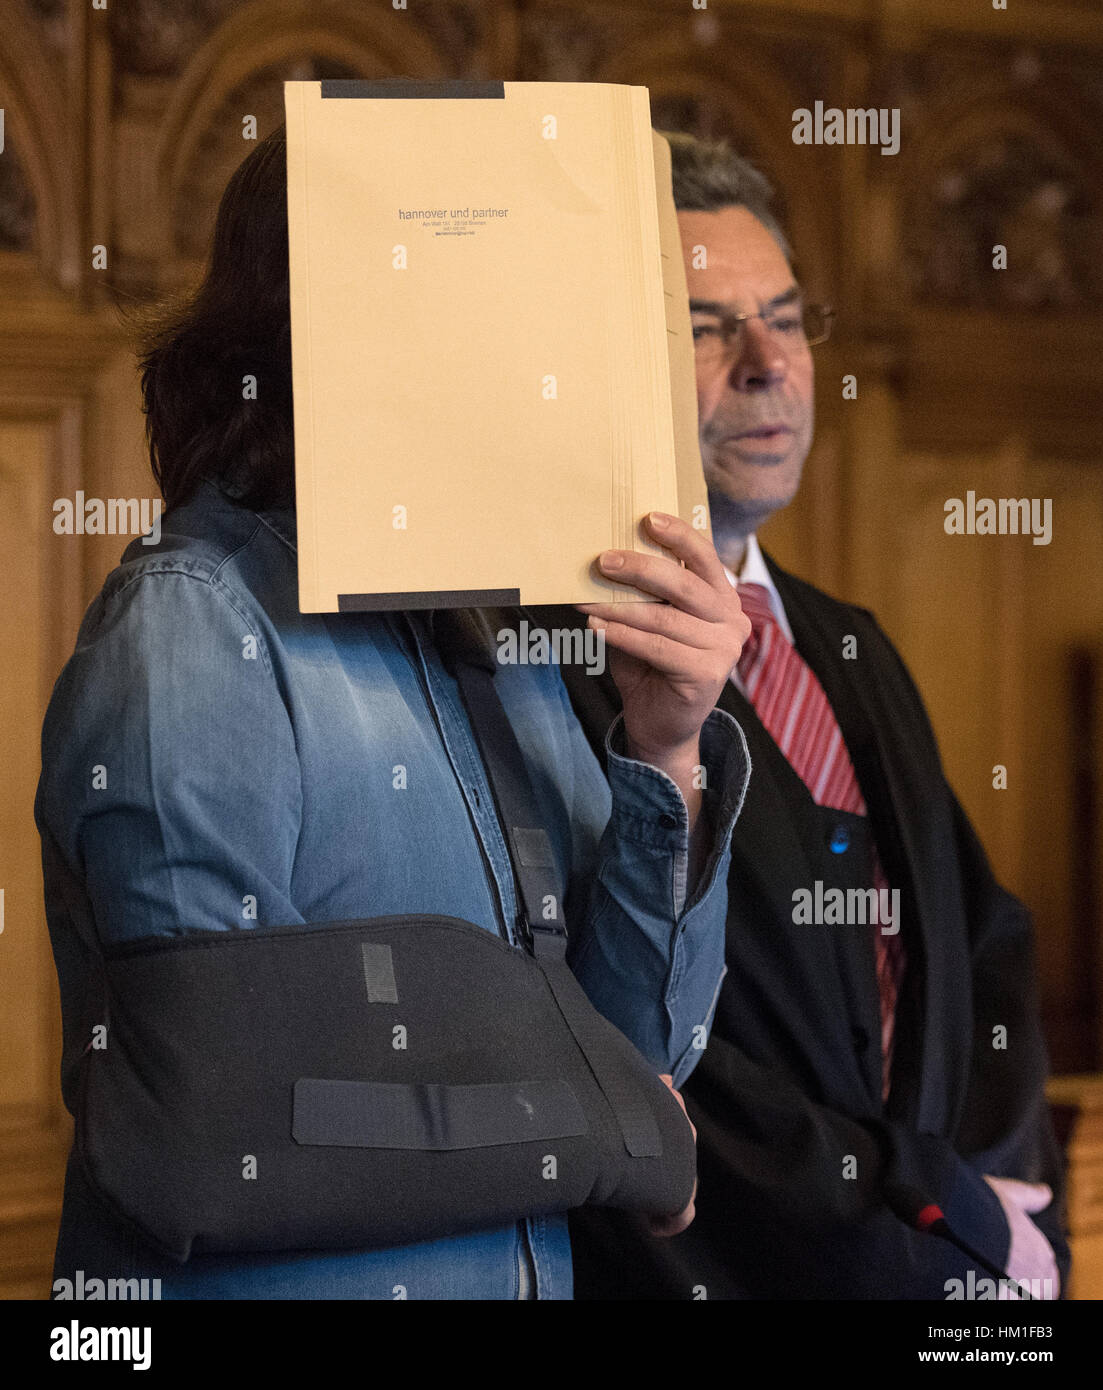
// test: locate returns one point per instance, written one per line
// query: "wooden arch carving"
(268, 32)
(1054, 129)
(35, 126)
(762, 102)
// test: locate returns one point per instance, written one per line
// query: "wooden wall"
(122, 126)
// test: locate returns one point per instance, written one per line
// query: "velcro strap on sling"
(375, 1115)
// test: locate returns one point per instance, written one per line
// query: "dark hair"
(708, 175)
(193, 354)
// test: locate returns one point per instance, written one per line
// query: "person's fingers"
(692, 547)
(662, 578)
(665, 1226)
(693, 585)
(666, 654)
(1030, 1256)
(669, 1080)
(663, 618)
(1030, 1197)
(677, 1222)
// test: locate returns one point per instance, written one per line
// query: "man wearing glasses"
(877, 1028)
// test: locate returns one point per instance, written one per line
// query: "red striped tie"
(797, 715)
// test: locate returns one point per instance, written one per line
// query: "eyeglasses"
(796, 325)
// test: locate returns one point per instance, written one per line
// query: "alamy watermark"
(537, 646)
(1000, 516)
(819, 906)
(982, 1289)
(76, 1343)
(855, 126)
(79, 1288)
(115, 516)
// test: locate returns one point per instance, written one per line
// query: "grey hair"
(708, 175)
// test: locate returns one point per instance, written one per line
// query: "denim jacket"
(214, 759)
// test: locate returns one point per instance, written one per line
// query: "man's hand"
(675, 1224)
(1030, 1256)
(670, 660)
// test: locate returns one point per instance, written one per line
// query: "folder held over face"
(491, 345)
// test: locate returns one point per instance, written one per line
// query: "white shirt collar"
(754, 571)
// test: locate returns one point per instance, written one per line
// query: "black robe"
(794, 1143)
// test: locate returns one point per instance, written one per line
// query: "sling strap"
(463, 644)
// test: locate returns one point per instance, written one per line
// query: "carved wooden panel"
(37, 462)
(1078, 1105)
(17, 208)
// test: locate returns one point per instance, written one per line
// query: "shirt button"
(667, 822)
(839, 841)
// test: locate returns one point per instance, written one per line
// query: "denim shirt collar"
(281, 520)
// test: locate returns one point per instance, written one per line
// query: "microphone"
(923, 1213)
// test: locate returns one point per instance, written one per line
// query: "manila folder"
(491, 348)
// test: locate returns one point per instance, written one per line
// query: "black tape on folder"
(408, 87)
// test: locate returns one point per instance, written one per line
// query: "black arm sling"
(373, 1082)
